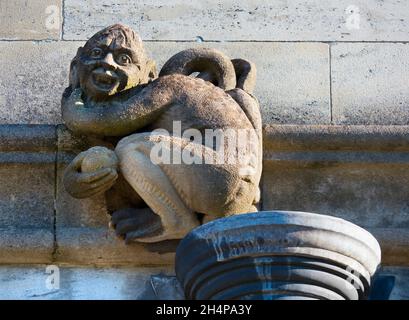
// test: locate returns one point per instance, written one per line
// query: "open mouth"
(104, 80)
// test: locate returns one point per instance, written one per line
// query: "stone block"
(365, 193)
(167, 287)
(298, 20)
(34, 75)
(370, 83)
(27, 180)
(78, 283)
(26, 245)
(401, 286)
(31, 20)
(124, 283)
(27, 195)
(292, 85)
(340, 171)
(358, 173)
(394, 245)
(73, 212)
(99, 246)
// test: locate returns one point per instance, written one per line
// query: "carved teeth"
(104, 78)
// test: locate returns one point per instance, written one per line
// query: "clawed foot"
(133, 224)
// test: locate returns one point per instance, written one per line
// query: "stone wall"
(315, 66)
(334, 98)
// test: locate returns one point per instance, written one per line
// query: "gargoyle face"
(113, 60)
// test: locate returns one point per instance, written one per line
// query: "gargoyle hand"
(86, 184)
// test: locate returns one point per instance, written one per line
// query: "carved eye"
(124, 59)
(96, 53)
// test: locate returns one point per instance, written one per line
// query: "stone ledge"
(295, 89)
(87, 283)
(27, 178)
(28, 144)
(95, 283)
(31, 20)
(22, 245)
(99, 246)
(335, 138)
(358, 173)
(394, 245)
(28, 138)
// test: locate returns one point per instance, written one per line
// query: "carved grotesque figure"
(115, 96)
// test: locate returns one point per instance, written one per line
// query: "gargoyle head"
(113, 60)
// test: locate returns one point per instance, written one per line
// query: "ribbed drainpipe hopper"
(277, 255)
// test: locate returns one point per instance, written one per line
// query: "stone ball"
(99, 158)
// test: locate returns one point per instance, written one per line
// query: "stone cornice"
(29, 138)
(299, 153)
(31, 144)
(335, 138)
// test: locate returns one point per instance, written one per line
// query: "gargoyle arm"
(116, 117)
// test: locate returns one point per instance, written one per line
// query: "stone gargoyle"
(116, 96)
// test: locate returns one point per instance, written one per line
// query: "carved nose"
(108, 62)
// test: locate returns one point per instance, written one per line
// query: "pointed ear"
(151, 72)
(74, 77)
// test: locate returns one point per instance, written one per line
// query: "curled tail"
(245, 74)
(214, 66)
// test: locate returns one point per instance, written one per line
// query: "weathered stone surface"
(29, 282)
(394, 244)
(335, 138)
(34, 75)
(354, 188)
(306, 168)
(292, 78)
(357, 173)
(361, 75)
(79, 283)
(27, 195)
(246, 20)
(400, 289)
(27, 178)
(352, 178)
(21, 137)
(30, 20)
(20, 244)
(73, 212)
(370, 83)
(99, 246)
(167, 287)
(277, 255)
